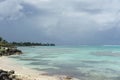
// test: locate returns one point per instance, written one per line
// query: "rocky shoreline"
(8, 75)
(7, 51)
(10, 70)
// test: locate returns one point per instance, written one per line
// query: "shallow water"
(83, 62)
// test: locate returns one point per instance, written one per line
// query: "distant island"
(31, 44)
(12, 44)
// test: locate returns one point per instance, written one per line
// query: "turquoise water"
(83, 62)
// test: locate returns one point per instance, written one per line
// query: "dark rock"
(10, 51)
(11, 72)
(68, 78)
(5, 75)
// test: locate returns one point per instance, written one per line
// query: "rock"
(68, 78)
(6, 75)
(10, 51)
(11, 72)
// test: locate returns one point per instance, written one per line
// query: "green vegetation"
(7, 48)
(31, 44)
(4, 43)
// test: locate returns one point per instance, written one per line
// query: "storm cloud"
(61, 22)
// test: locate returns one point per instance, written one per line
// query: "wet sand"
(25, 73)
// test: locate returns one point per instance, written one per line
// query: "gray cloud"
(10, 9)
(62, 22)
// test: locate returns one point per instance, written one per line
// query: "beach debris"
(66, 78)
(44, 74)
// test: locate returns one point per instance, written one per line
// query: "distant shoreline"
(31, 44)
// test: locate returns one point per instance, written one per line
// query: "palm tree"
(1, 39)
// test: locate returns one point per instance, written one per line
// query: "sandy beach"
(25, 73)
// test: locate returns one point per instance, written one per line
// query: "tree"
(1, 39)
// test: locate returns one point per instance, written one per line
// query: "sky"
(63, 22)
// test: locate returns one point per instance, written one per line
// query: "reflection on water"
(84, 62)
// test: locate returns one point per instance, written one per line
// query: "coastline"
(24, 73)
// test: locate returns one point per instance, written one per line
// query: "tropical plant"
(1, 39)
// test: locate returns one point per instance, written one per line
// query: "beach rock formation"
(6, 51)
(7, 75)
(7, 48)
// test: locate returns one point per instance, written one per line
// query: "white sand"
(25, 73)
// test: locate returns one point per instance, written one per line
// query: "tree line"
(32, 44)
(4, 43)
(8, 44)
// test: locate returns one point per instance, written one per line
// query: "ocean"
(82, 62)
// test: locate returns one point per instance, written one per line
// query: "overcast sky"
(66, 22)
